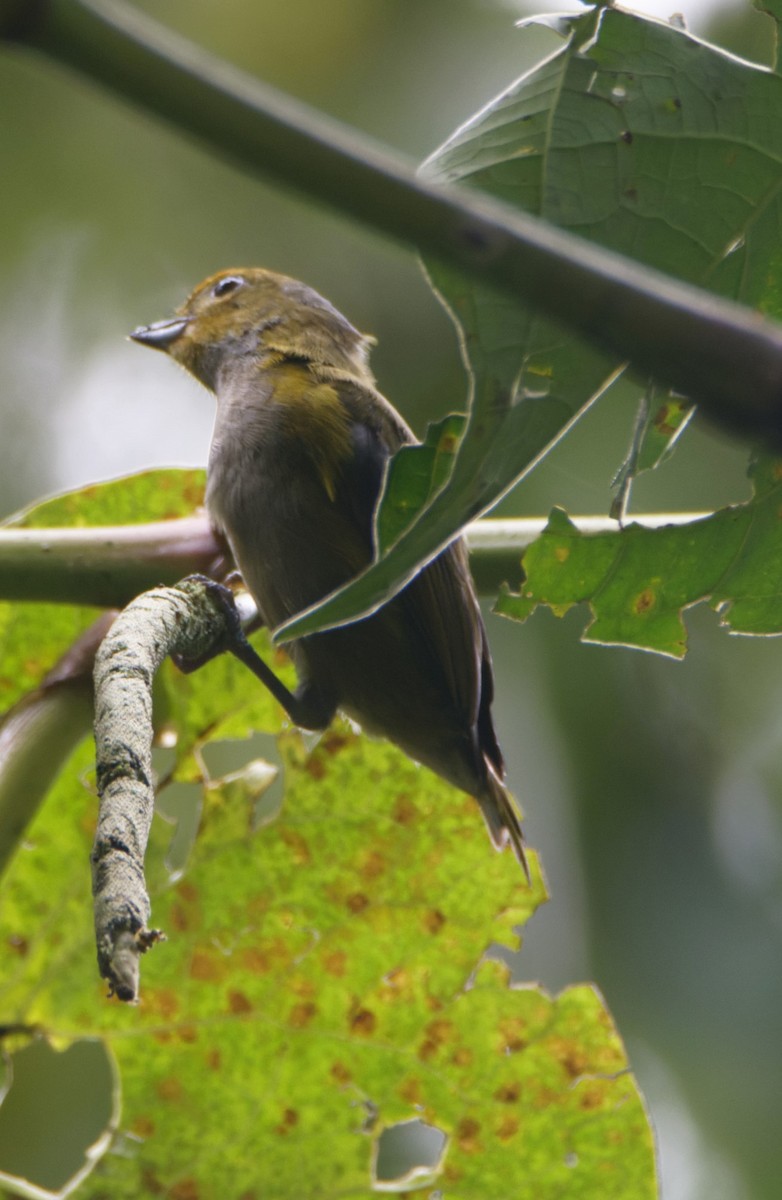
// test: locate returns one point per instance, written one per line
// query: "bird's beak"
(162, 334)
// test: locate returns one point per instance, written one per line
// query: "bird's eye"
(227, 285)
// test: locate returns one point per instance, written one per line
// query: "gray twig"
(187, 620)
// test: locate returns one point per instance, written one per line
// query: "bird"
(301, 444)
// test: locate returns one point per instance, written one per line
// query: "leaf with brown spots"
(638, 582)
(607, 137)
(275, 997)
(319, 983)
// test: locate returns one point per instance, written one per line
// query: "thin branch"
(38, 734)
(184, 620)
(723, 356)
(109, 565)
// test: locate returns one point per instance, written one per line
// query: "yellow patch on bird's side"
(317, 418)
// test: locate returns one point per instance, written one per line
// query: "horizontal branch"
(109, 565)
(104, 565)
(723, 356)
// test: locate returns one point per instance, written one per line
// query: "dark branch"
(723, 356)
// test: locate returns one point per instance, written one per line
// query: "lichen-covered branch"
(187, 620)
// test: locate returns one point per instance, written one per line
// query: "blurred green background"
(652, 788)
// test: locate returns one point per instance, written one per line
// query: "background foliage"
(325, 979)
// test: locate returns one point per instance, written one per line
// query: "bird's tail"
(502, 816)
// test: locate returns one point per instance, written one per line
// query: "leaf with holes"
(639, 581)
(319, 987)
(634, 135)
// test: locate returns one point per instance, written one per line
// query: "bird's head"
(253, 313)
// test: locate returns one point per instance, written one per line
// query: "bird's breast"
(291, 538)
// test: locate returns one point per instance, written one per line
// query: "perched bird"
(300, 446)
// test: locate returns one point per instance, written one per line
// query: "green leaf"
(158, 495)
(636, 136)
(638, 581)
(33, 636)
(318, 986)
(222, 701)
(774, 10)
(415, 475)
(323, 978)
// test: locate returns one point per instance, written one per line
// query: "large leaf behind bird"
(634, 135)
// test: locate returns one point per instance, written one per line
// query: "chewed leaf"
(639, 581)
(636, 136)
(58, 1116)
(322, 981)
